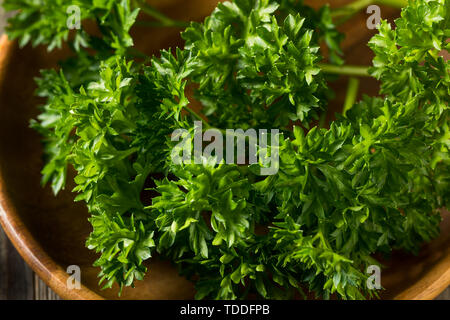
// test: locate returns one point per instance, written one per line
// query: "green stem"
(351, 9)
(156, 24)
(322, 119)
(136, 53)
(393, 3)
(347, 70)
(196, 115)
(164, 20)
(352, 93)
(346, 12)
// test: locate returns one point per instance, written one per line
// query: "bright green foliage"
(410, 67)
(373, 182)
(203, 189)
(266, 63)
(407, 58)
(98, 131)
(321, 22)
(46, 22)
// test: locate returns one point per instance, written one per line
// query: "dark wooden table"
(17, 280)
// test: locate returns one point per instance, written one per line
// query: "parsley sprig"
(372, 182)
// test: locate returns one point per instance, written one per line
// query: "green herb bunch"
(372, 182)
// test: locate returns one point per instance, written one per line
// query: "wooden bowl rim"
(434, 282)
(30, 250)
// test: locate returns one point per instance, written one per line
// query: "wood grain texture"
(49, 232)
(16, 278)
(42, 291)
(444, 295)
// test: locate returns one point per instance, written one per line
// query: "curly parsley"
(373, 182)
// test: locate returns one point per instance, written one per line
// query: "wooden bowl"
(50, 232)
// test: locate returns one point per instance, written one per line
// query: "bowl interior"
(58, 227)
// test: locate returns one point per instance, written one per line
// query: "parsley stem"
(350, 9)
(347, 70)
(352, 93)
(346, 12)
(322, 120)
(393, 3)
(196, 115)
(136, 53)
(164, 20)
(152, 24)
